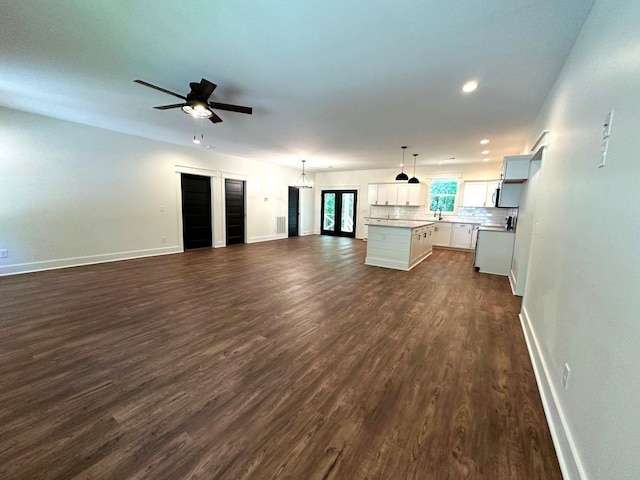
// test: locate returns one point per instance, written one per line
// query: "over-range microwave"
(507, 195)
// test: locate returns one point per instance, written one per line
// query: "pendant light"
(414, 179)
(303, 181)
(402, 175)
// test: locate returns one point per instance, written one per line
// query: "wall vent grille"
(281, 224)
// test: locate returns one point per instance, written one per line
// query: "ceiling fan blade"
(167, 107)
(214, 118)
(231, 108)
(160, 89)
(206, 88)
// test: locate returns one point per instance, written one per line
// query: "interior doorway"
(294, 211)
(339, 213)
(234, 211)
(196, 211)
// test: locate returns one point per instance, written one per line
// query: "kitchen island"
(398, 244)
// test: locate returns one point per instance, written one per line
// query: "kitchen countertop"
(489, 228)
(434, 220)
(389, 222)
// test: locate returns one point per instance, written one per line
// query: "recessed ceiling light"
(485, 159)
(440, 162)
(484, 141)
(470, 86)
(485, 152)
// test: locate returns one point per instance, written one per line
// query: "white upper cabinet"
(515, 168)
(372, 194)
(410, 194)
(479, 194)
(474, 194)
(402, 194)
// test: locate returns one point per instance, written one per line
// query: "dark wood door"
(196, 211)
(234, 210)
(294, 211)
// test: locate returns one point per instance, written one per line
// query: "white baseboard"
(88, 260)
(266, 238)
(568, 458)
(512, 282)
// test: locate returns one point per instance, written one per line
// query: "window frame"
(456, 196)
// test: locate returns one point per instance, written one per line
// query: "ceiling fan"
(196, 103)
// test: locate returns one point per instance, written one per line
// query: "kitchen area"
(402, 231)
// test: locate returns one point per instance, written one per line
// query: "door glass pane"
(346, 220)
(329, 206)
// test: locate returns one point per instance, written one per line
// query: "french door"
(339, 213)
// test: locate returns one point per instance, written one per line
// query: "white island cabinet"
(399, 244)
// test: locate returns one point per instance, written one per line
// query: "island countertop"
(384, 222)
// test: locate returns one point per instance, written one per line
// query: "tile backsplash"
(485, 216)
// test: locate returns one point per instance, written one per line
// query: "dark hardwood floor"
(288, 359)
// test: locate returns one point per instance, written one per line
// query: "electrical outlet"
(4, 253)
(566, 376)
(164, 240)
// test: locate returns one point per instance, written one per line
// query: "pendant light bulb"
(414, 179)
(402, 176)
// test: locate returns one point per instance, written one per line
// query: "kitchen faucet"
(439, 209)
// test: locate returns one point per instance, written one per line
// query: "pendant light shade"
(402, 175)
(303, 181)
(414, 179)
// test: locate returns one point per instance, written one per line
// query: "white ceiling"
(341, 83)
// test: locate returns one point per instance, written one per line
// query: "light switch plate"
(604, 147)
(4, 253)
(606, 128)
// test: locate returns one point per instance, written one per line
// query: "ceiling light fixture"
(470, 86)
(402, 176)
(485, 159)
(197, 109)
(303, 181)
(414, 179)
(484, 141)
(485, 152)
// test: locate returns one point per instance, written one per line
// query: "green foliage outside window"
(442, 194)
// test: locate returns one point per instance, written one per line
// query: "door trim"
(318, 203)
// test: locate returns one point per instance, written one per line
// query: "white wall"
(581, 302)
(359, 180)
(73, 194)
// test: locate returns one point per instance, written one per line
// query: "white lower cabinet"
(443, 235)
(461, 235)
(454, 235)
(494, 251)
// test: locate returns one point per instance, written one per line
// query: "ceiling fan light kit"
(402, 176)
(196, 103)
(197, 110)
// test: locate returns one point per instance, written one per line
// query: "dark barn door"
(196, 211)
(234, 210)
(294, 211)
